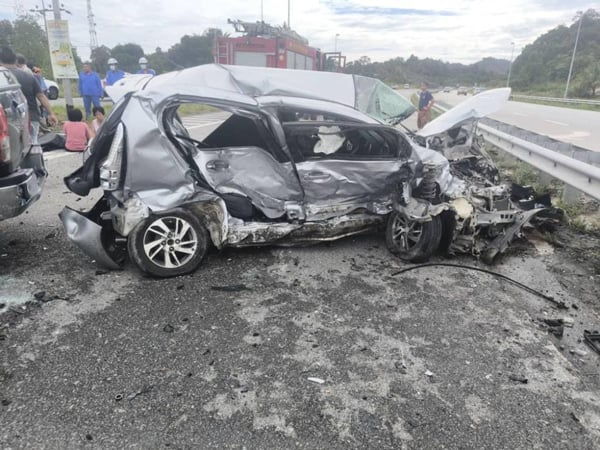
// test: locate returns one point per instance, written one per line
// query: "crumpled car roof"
(364, 94)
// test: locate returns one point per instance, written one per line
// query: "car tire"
(52, 93)
(411, 240)
(168, 244)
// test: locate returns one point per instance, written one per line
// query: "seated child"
(98, 112)
(77, 133)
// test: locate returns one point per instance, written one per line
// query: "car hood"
(476, 107)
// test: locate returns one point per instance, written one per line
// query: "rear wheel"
(411, 240)
(168, 244)
(52, 93)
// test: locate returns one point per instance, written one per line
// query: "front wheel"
(411, 240)
(168, 244)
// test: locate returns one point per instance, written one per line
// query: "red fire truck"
(263, 45)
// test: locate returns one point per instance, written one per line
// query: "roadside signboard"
(61, 55)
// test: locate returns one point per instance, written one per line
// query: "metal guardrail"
(582, 176)
(574, 101)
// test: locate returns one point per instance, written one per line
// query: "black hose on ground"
(558, 304)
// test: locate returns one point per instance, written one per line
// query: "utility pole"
(43, 12)
(289, 24)
(66, 83)
(92, 27)
(335, 42)
(510, 64)
(574, 50)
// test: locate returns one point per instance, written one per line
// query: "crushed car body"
(240, 156)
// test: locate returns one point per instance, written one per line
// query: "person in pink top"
(77, 133)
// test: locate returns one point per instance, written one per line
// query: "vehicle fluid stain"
(12, 292)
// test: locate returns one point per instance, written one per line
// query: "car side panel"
(252, 172)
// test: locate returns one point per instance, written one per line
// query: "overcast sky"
(455, 31)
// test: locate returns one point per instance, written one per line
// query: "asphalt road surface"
(575, 126)
(318, 347)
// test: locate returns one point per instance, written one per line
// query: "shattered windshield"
(380, 101)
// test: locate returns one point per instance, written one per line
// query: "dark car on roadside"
(22, 171)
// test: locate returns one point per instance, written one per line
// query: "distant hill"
(542, 67)
(492, 65)
(545, 62)
(436, 72)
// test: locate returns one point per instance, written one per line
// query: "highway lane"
(575, 126)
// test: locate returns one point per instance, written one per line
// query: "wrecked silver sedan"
(244, 156)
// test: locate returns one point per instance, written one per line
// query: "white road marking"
(58, 154)
(562, 124)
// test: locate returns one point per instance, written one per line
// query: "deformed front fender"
(95, 237)
(420, 210)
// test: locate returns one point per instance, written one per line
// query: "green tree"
(192, 51)
(6, 33)
(30, 40)
(128, 56)
(99, 59)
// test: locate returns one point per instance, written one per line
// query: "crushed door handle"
(217, 164)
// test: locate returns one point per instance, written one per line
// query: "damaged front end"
(456, 201)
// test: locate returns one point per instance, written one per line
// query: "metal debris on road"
(316, 380)
(592, 338)
(118, 397)
(144, 390)
(168, 328)
(557, 303)
(518, 378)
(231, 288)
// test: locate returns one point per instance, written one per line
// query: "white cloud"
(458, 31)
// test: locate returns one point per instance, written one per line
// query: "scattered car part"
(558, 304)
(144, 390)
(231, 288)
(592, 338)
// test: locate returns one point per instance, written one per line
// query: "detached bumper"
(18, 191)
(94, 236)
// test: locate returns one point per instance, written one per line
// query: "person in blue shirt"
(90, 88)
(143, 62)
(425, 104)
(114, 74)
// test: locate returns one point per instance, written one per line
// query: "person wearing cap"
(143, 62)
(90, 88)
(114, 74)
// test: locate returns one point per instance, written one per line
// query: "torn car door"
(238, 158)
(343, 167)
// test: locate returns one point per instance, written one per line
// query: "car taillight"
(110, 171)
(4, 137)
